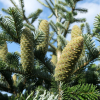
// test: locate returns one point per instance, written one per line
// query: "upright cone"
(14, 79)
(76, 31)
(54, 59)
(44, 26)
(68, 59)
(3, 50)
(27, 54)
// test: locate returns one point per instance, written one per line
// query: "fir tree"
(13, 32)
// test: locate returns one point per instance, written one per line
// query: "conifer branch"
(35, 15)
(51, 35)
(6, 28)
(15, 28)
(81, 10)
(59, 6)
(60, 25)
(79, 20)
(5, 38)
(63, 3)
(15, 6)
(51, 2)
(79, 91)
(82, 27)
(62, 40)
(53, 41)
(88, 29)
(17, 21)
(88, 44)
(22, 7)
(21, 71)
(21, 12)
(62, 14)
(43, 3)
(86, 63)
(6, 11)
(44, 60)
(50, 7)
(50, 15)
(92, 55)
(31, 27)
(69, 21)
(51, 50)
(5, 87)
(53, 26)
(53, 46)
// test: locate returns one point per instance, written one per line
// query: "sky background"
(92, 6)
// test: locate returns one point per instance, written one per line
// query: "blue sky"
(93, 7)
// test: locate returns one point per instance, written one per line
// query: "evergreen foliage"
(80, 92)
(42, 69)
